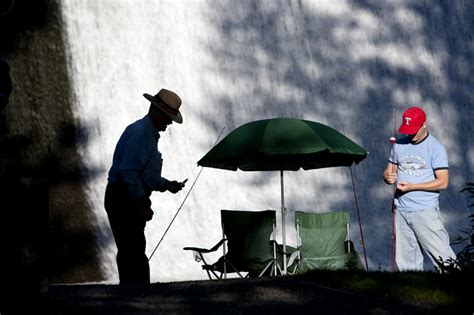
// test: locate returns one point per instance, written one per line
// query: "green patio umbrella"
(282, 144)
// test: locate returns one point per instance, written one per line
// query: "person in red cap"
(134, 175)
(418, 165)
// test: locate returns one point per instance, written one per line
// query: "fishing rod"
(358, 214)
(182, 203)
(394, 236)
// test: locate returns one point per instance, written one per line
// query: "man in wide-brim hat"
(135, 173)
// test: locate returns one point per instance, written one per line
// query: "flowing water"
(346, 64)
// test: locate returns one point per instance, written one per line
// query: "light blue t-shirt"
(137, 163)
(416, 163)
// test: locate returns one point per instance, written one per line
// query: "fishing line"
(182, 203)
(359, 220)
(358, 213)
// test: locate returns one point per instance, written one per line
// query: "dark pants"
(128, 227)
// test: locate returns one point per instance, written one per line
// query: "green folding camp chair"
(323, 243)
(248, 242)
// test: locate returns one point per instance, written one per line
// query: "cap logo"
(407, 120)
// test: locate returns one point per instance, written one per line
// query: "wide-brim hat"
(168, 102)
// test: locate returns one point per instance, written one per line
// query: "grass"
(410, 287)
(328, 292)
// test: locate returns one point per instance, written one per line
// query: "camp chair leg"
(279, 269)
(215, 275)
(210, 271)
(201, 256)
(294, 260)
(275, 268)
(295, 269)
(265, 269)
(235, 269)
(347, 238)
(205, 264)
(224, 251)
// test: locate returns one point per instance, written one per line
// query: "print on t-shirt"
(412, 164)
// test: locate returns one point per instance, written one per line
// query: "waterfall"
(342, 63)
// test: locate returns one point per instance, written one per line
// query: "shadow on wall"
(348, 67)
(39, 141)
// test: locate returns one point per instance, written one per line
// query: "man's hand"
(390, 178)
(404, 186)
(390, 174)
(440, 182)
(144, 207)
(148, 214)
(174, 186)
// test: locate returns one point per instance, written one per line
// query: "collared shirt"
(416, 163)
(137, 163)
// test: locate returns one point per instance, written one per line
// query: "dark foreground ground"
(282, 295)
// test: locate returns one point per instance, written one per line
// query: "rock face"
(79, 69)
(38, 159)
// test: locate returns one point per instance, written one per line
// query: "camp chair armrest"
(205, 250)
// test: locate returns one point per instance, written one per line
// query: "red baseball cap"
(413, 119)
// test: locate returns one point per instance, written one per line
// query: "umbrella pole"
(283, 214)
